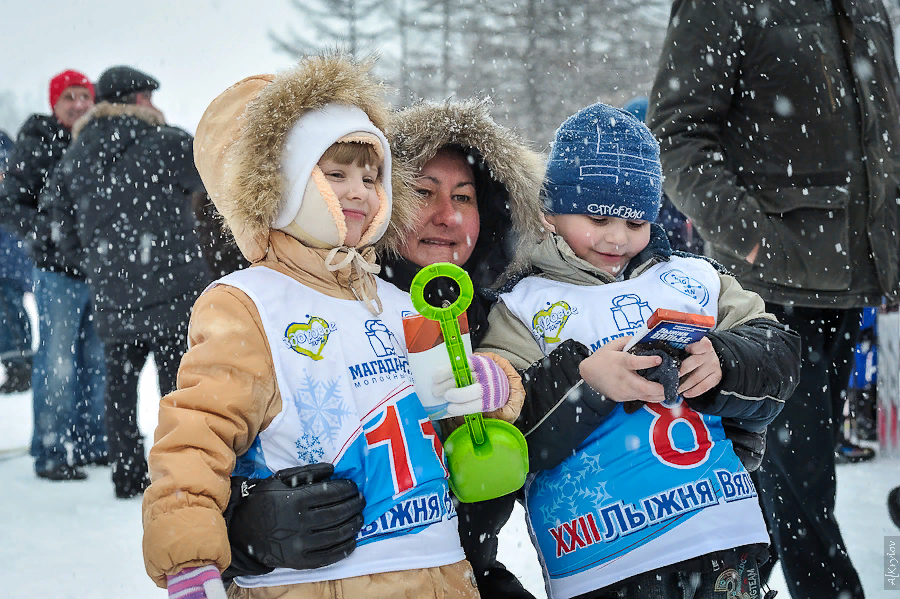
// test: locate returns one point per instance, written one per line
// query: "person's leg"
(479, 528)
(54, 379)
(40, 363)
(167, 354)
(797, 479)
(91, 440)
(124, 361)
(15, 338)
(15, 332)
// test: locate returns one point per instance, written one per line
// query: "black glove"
(296, 519)
(666, 374)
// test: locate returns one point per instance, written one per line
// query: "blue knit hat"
(604, 162)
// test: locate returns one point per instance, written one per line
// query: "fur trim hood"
(418, 132)
(241, 139)
(149, 115)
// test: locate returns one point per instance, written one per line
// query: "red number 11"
(390, 432)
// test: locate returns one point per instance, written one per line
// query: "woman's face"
(449, 223)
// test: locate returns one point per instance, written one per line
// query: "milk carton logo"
(629, 311)
(309, 338)
(384, 343)
(549, 322)
(686, 285)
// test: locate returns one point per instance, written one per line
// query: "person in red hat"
(68, 375)
(71, 95)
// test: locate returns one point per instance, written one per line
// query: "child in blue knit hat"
(650, 497)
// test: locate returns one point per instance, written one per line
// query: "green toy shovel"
(487, 458)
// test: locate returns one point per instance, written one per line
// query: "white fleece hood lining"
(307, 141)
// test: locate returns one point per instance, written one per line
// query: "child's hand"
(613, 373)
(489, 392)
(701, 370)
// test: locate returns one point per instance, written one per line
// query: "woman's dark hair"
(492, 252)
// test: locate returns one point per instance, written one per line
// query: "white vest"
(348, 398)
(648, 489)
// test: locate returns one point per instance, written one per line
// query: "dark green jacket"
(779, 125)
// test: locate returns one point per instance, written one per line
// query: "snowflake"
(310, 450)
(590, 462)
(598, 494)
(550, 511)
(321, 407)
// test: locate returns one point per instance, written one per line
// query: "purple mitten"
(202, 582)
(489, 392)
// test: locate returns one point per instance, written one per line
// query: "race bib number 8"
(662, 442)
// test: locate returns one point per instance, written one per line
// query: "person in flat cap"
(120, 200)
(120, 84)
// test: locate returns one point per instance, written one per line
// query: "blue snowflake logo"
(309, 449)
(322, 409)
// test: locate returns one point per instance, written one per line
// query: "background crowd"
(782, 170)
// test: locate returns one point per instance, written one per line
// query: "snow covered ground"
(74, 539)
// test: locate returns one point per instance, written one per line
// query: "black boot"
(129, 471)
(18, 377)
(130, 484)
(61, 472)
(846, 452)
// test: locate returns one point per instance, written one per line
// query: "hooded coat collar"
(307, 265)
(144, 114)
(554, 259)
(509, 177)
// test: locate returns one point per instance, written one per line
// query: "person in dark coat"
(15, 280)
(219, 249)
(120, 199)
(779, 125)
(68, 368)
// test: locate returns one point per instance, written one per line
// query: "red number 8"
(661, 440)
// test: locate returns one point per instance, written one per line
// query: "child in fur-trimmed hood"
(294, 369)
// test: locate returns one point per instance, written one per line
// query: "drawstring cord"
(366, 272)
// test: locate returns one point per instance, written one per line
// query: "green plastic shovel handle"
(447, 318)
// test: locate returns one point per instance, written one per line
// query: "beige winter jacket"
(226, 395)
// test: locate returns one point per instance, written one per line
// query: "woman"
(480, 187)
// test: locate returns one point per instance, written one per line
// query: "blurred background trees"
(540, 60)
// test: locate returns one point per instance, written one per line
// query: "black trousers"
(796, 482)
(124, 361)
(479, 527)
(718, 575)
